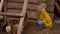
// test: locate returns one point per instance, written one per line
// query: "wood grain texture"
(11, 14)
(30, 1)
(50, 2)
(33, 15)
(12, 18)
(14, 5)
(51, 15)
(50, 8)
(56, 18)
(20, 5)
(1, 5)
(14, 10)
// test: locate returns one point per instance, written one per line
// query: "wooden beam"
(30, 1)
(1, 5)
(57, 6)
(11, 14)
(12, 5)
(20, 29)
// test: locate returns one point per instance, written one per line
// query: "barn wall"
(16, 6)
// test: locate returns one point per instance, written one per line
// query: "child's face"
(40, 8)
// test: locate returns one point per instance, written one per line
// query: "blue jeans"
(40, 23)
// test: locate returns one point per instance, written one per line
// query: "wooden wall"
(16, 6)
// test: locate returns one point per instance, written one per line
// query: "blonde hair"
(42, 5)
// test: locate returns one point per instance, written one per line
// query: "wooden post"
(1, 5)
(20, 29)
(56, 4)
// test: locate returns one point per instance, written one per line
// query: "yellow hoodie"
(44, 16)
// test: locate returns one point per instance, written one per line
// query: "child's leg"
(40, 23)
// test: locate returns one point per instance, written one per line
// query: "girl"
(44, 19)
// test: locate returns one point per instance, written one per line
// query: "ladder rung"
(11, 14)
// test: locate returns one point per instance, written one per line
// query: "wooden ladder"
(21, 15)
(20, 29)
(1, 5)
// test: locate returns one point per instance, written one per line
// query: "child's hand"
(39, 22)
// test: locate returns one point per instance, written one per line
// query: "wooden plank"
(33, 15)
(14, 10)
(57, 21)
(20, 29)
(56, 18)
(59, 1)
(31, 21)
(1, 5)
(30, 1)
(57, 6)
(10, 18)
(32, 7)
(30, 14)
(11, 14)
(50, 8)
(51, 15)
(50, 2)
(43, 0)
(18, 11)
(20, 5)
(5, 9)
(14, 5)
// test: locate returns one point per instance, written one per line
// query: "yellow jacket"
(44, 16)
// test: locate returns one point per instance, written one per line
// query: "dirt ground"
(35, 29)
